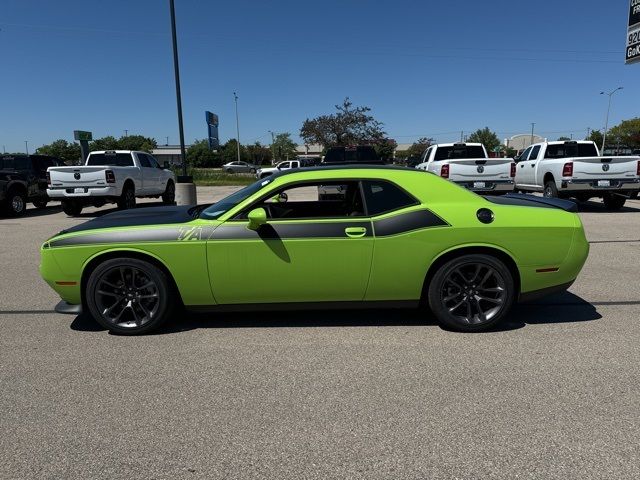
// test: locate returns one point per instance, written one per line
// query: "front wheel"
(169, 195)
(129, 296)
(73, 208)
(613, 201)
(471, 293)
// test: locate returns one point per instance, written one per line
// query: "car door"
(523, 170)
(149, 176)
(310, 250)
(160, 176)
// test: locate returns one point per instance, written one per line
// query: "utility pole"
(126, 132)
(606, 123)
(273, 151)
(461, 135)
(26, 146)
(167, 137)
(588, 133)
(532, 125)
(4, 150)
(235, 97)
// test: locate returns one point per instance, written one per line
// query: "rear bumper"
(86, 192)
(501, 186)
(592, 185)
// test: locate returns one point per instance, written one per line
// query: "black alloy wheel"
(129, 296)
(471, 293)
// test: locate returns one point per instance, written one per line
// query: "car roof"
(117, 151)
(351, 168)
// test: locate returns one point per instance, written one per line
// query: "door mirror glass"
(257, 217)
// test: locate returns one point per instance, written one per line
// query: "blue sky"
(425, 68)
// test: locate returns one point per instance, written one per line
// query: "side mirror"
(257, 217)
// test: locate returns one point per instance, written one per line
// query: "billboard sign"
(212, 127)
(632, 50)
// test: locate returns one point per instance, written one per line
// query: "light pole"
(273, 151)
(126, 132)
(176, 69)
(26, 146)
(606, 122)
(235, 98)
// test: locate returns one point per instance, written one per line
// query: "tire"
(634, 195)
(169, 195)
(451, 291)
(127, 199)
(253, 170)
(613, 202)
(550, 189)
(129, 296)
(229, 170)
(16, 202)
(40, 204)
(72, 208)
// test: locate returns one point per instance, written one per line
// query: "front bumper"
(484, 186)
(68, 308)
(571, 185)
(83, 193)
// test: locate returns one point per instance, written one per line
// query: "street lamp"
(235, 97)
(273, 151)
(176, 69)
(606, 123)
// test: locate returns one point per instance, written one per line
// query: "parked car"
(239, 167)
(354, 154)
(110, 176)
(287, 165)
(23, 179)
(468, 165)
(576, 169)
(400, 237)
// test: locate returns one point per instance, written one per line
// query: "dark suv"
(357, 154)
(23, 178)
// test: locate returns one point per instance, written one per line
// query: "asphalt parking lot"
(364, 394)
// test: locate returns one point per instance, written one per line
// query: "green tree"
(283, 147)
(563, 139)
(348, 126)
(485, 136)
(199, 155)
(137, 142)
(417, 148)
(385, 148)
(229, 152)
(259, 154)
(65, 151)
(104, 143)
(625, 133)
(596, 137)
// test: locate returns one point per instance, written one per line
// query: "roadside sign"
(632, 50)
(81, 135)
(212, 127)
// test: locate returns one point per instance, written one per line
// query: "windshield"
(217, 209)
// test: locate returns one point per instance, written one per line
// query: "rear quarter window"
(382, 197)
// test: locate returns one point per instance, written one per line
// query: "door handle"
(522, 165)
(355, 232)
(533, 165)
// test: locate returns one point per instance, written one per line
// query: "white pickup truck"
(287, 165)
(468, 165)
(576, 169)
(110, 176)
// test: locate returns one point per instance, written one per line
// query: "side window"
(22, 163)
(523, 156)
(144, 161)
(381, 197)
(153, 162)
(325, 199)
(283, 165)
(534, 153)
(427, 154)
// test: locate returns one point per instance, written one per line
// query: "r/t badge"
(189, 233)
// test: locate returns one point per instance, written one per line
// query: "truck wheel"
(613, 201)
(72, 208)
(16, 202)
(550, 189)
(40, 204)
(129, 296)
(128, 198)
(471, 293)
(633, 195)
(169, 195)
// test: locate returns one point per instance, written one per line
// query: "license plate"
(479, 185)
(78, 190)
(604, 183)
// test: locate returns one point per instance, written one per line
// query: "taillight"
(49, 176)
(111, 178)
(513, 169)
(444, 171)
(638, 170)
(567, 170)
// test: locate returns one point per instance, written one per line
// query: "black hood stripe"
(395, 225)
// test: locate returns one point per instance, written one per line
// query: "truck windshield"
(217, 209)
(110, 160)
(456, 152)
(565, 150)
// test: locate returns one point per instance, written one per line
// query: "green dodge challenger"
(321, 238)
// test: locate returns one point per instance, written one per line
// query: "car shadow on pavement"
(594, 206)
(561, 308)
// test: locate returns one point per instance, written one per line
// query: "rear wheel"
(169, 195)
(16, 202)
(550, 189)
(613, 201)
(128, 198)
(129, 296)
(73, 208)
(40, 204)
(471, 293)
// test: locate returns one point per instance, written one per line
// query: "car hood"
(137, 217)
